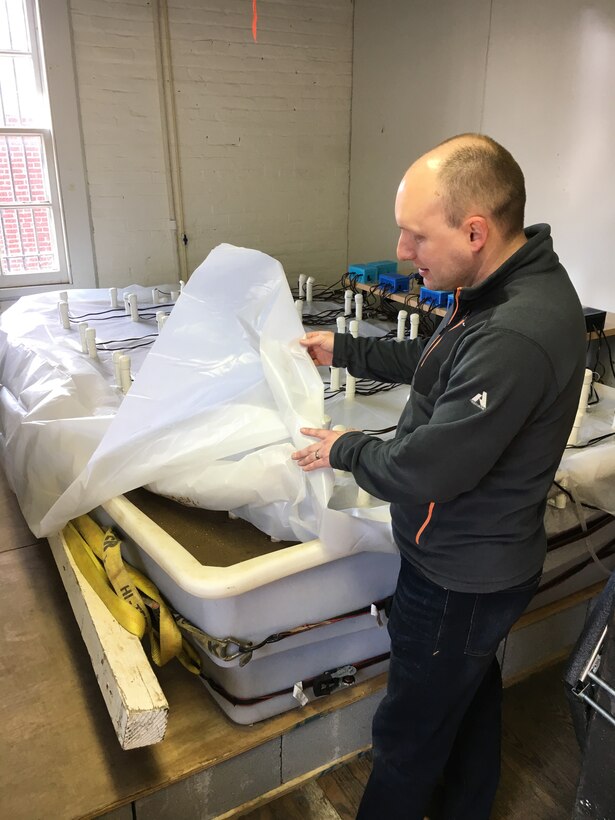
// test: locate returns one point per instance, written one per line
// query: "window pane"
(23, 171)
(27, 241)
(20, 102)
(13, 26)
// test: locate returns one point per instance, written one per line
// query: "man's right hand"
(320, 346)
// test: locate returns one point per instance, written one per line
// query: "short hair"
(480, 173)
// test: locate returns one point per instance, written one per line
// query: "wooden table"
(411, 300)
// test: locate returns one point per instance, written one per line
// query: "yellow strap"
(129, 594)
(127, 616)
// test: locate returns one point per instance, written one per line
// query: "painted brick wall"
(120, 113)
(263, 131)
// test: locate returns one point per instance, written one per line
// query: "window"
(31, 231)
(45, 233)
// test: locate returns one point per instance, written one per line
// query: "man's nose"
(405, 249)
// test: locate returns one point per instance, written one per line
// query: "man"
(494, 395)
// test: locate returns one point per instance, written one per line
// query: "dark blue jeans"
(440, 719)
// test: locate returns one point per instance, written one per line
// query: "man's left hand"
(315, 456)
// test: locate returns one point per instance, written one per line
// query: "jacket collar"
(539, 246)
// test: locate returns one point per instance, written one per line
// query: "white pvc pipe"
(163, 322)
(348, 303)
(154, 296)
(160, 314)
(401, 325)
(117, 355)
(181, 285)
(309, 289)
(302, 281)
(125, 373)
(90, 336)
(63, 295)
(64, 320)
(127, 303)
(414, 325)
(174, 295)
(299, 307)
(351, 382)
(113, 297)
(83, 326)
(576, 427)
(336, 373)
(364, 499)
(134, 309)
(358, 306)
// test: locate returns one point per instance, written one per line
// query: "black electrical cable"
(101, 317)
(592, 441)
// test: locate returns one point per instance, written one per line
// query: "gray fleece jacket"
(493, 398)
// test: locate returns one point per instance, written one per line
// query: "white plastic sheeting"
(211, 419)
(589, 471)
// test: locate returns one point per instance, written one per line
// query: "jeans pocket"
(493, 615)
(418, 611)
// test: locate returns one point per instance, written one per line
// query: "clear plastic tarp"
(211, 419)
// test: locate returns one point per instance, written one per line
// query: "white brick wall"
(263, 131)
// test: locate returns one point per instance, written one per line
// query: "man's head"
(460, 210)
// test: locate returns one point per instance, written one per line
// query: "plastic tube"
(336, 378)
(174, 295)
(160, 314)
(134, 309)
(117, 354)
(302, 280)
(309, 289)
(113, 297)
(154, 296)
(351, 382)
(341, 324)
(576, 427)
(414, 325)
(64, 320)
(299, 307)
(83, 326)
(401, 325)
(63, 296)
(364, 499)
(90, 336)
(125, 379)
(348, 303)
(181, 285)
(358, 306)
(126, 303)
(162, 322)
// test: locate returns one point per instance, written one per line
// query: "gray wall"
(539, 78)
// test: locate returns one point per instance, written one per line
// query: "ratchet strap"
(133, 600)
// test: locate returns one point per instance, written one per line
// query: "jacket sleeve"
(385, 361)
(461, 442)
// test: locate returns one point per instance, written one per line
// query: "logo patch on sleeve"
(480, 400)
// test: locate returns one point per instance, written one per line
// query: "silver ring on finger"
(317, 455)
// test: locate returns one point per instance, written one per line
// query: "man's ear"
(477, 231)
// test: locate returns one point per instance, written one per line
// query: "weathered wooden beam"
(134, 699)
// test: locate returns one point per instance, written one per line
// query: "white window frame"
(68, 184)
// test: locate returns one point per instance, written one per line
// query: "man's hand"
(320, 347)
(315, 456)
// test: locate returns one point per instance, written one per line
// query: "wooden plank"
(553, 608)
(134, 699)
(291, 785)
